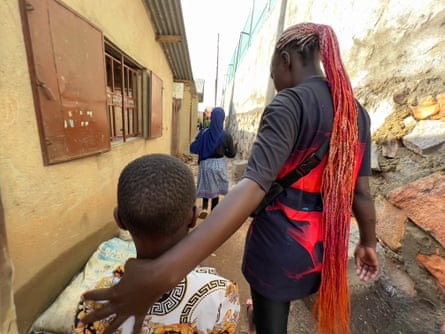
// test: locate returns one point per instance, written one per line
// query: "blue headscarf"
(208, 140)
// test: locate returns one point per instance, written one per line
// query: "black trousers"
(269, 316)
(205, 203)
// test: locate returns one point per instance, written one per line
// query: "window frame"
(88, 128)
(139, 110)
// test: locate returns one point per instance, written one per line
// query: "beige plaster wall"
(55, 216)
(8, 324)
(185, 121)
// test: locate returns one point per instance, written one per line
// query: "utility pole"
(217, 63)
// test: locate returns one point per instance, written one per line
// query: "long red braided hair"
(333, 307)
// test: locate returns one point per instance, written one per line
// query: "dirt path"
(228, 259)
(403, 300)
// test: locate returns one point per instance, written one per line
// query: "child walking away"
(212, 145)
(297, 245)
(156, 204)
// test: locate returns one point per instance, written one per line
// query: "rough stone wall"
(243, 129)
(392, 50)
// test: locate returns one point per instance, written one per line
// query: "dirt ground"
(403, 300)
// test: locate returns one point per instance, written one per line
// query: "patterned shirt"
(202, 303)
(284, 246)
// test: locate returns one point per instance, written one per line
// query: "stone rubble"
(423, 201)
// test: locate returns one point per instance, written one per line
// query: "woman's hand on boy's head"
(136, 292)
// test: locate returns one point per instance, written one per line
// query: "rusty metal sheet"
(155, 117)
(67, 54)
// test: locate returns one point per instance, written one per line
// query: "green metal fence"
(256, 18)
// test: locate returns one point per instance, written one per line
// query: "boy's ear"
(286, 58)
(194, 218)
(118, 220)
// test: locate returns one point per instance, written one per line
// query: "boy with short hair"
(156, 204)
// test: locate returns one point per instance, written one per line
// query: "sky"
(204, 20)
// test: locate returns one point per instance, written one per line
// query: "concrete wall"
(55, 216)
(386, 46)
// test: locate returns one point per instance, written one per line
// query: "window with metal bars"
(87, 92)
(124, 91)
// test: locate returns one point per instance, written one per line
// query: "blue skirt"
(213, 179)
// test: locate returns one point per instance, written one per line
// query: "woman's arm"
(366, 259)
(146, 280)
(194, 146)
(364, 212)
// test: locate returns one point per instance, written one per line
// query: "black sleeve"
(275, 139)
(229, 149)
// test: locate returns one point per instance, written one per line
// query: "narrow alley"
(88, 86)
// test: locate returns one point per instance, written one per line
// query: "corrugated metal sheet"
(168, 22)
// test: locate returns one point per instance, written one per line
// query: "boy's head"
(156, 196)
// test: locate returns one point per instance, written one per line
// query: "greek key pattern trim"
(205, 290)
(174, 298)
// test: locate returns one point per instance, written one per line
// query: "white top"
(203, 302)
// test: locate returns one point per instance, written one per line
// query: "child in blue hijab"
(212, 145)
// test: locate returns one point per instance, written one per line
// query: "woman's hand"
(139, 288)
(366, 262)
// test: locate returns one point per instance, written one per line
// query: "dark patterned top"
(284, 245)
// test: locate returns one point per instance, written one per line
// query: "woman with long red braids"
(297, 245)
